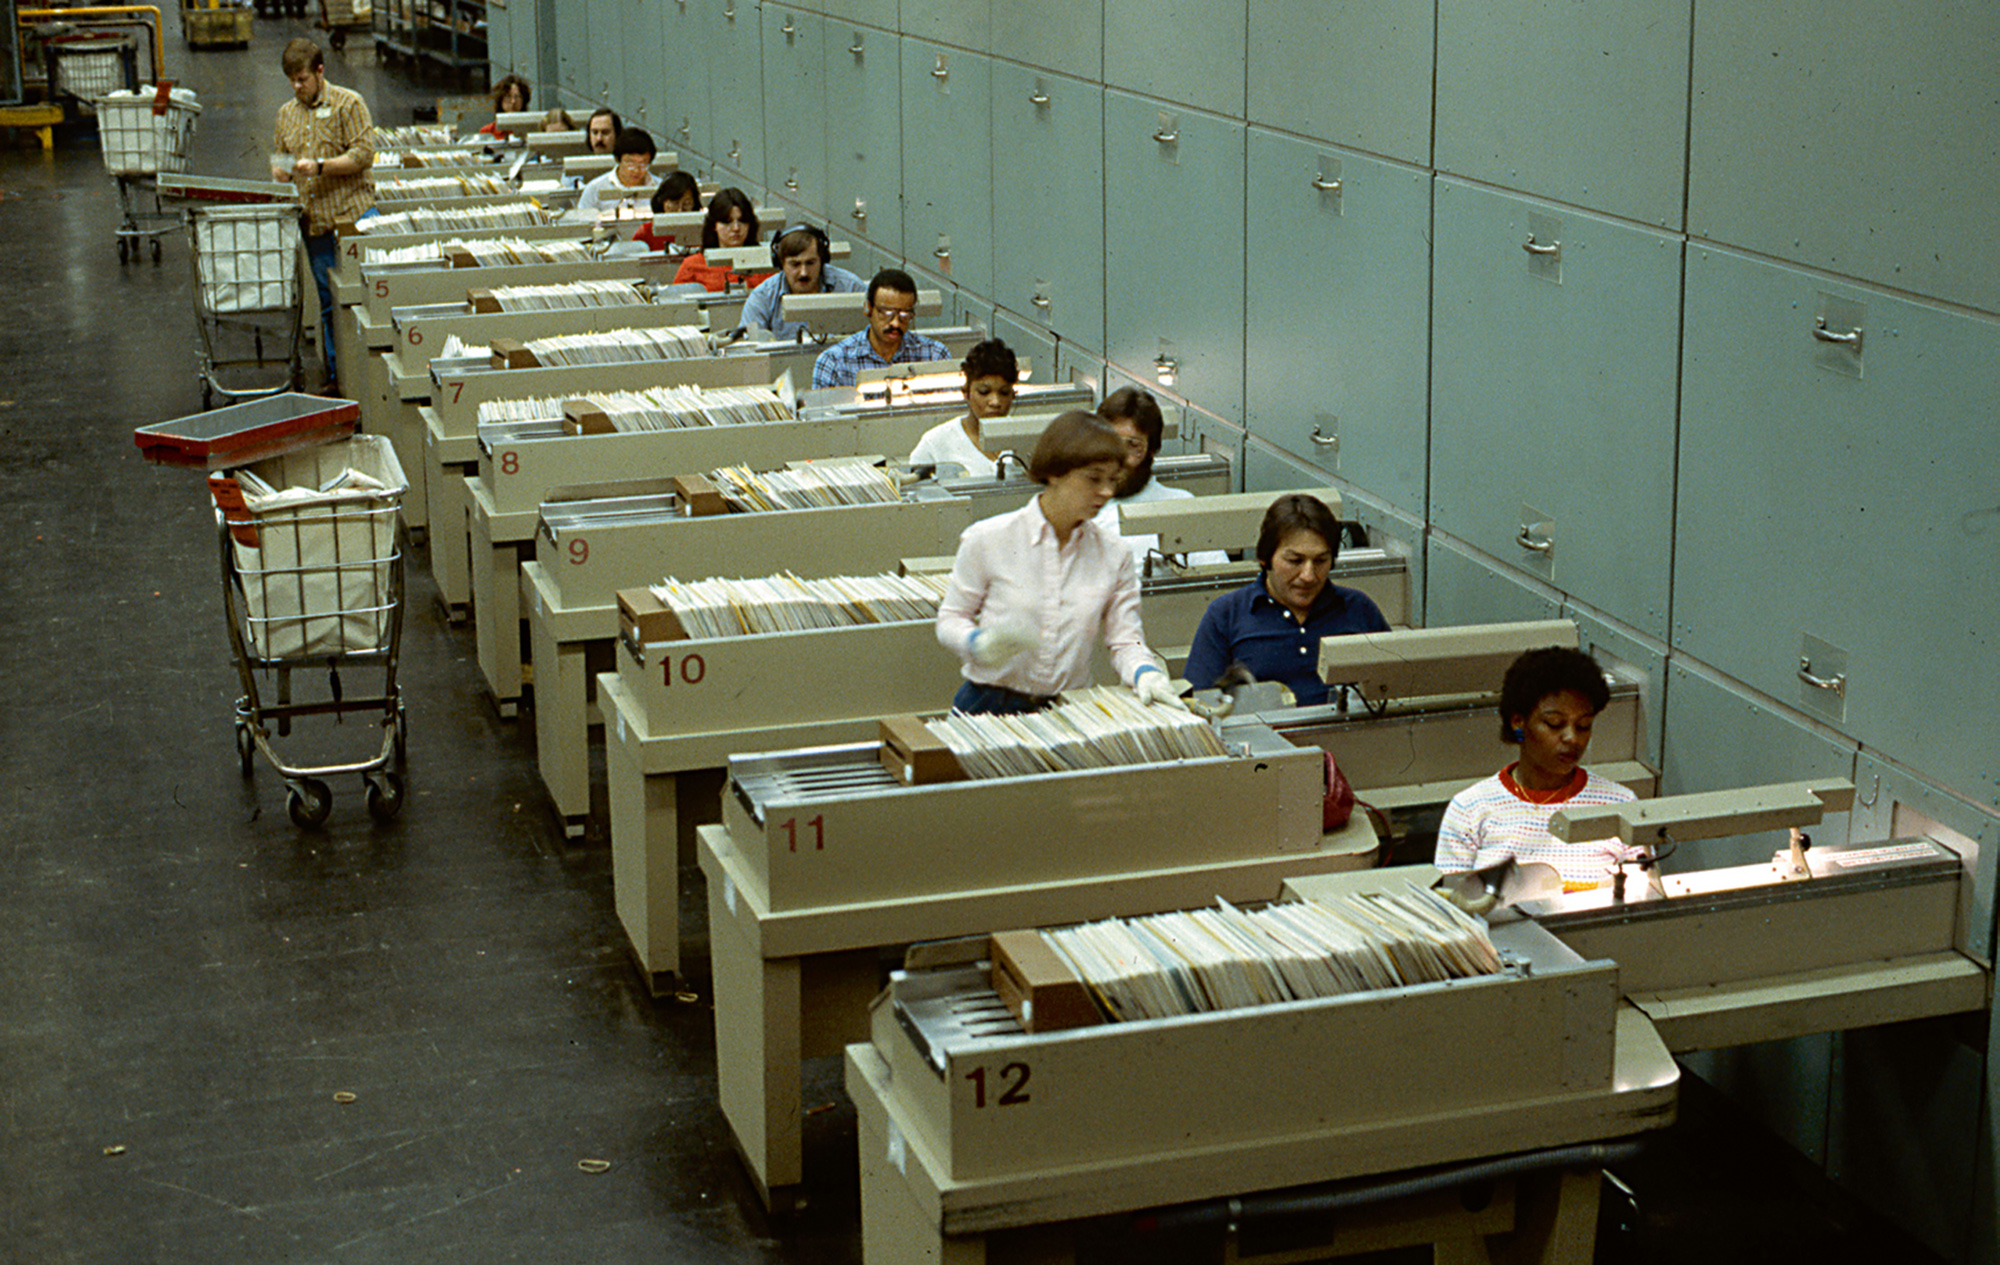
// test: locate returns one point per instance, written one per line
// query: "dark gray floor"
(191, 980)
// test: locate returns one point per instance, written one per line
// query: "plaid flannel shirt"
(338, 127)
(839, 364)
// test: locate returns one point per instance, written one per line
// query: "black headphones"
(818, 235)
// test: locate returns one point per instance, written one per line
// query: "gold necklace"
(1528, 793)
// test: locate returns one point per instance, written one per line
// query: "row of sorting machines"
(715, 745)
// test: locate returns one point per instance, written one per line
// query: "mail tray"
(251, 431)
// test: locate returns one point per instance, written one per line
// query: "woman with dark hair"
(990, 374)
(1548, 702)
(677, 195)
(1273, 625)
(731, 222)
(1032, 589)
(510, 96)
(558, 120)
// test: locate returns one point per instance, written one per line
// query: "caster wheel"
(124, 250)
(309, 802)
(246, 750)
(385, 796)
(156, 250)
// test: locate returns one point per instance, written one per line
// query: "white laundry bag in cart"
(247, 257)
(325, 521)
(139, 141)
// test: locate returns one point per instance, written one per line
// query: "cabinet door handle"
(855, 48)
(942, 252)
(1324, 185)
(792, 182)
(860, 211)
(938, 71)
(1038, 98)
(1040, 301)
(1166, 137)
(1530, 542)
(787, 28)
(1852, 338)
(1835, 684)
(1534, 247)
(1326, 441)
(730, 13)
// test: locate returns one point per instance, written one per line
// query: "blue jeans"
(321, 251)
(997, 700)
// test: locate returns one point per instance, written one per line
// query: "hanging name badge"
(323, 112)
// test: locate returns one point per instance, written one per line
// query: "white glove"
(991, 647)
(1152, 686)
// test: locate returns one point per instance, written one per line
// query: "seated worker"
(802, 255)
(600, 132)
(558, 120)
(626, 183)
(510, 96)
(1031, 589)
(990, 374)
(1135, 415)
(1273, 625)
(1548, 700)
(677, 194)
(891, 306)
(731, 222)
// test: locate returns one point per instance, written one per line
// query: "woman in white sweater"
(990, 373)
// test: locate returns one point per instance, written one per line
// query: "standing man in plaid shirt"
(328, 133)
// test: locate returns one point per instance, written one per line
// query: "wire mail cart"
(247, 296)
(144, 133)
(313, 548)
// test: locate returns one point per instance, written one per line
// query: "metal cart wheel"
(402, 737)
(124, 250)
(246, 749)
(156, 250)
(385, 796)
(309, 801)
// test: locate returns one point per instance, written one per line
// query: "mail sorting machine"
(522, 464)
(593, 548)
(825, 856)
(982, 1141)
(497, 547)
(772, 954)
(676, 708)
(422, 331)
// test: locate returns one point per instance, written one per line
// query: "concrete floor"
(189, 980)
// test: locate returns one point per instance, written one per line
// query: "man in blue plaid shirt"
(891, 305)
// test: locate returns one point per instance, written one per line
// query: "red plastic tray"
(225, 438)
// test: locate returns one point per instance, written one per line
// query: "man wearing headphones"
(802, 256)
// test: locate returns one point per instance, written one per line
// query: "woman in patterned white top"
(1548, 701)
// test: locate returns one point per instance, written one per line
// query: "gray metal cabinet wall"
(1022, 32)
(1173, 247)
(795, 105)
(1552, 404)
(864, 125)
(1190, 52)
(642, 98)
(1337, 330)
(1351, 72)
(736, 92)
(1048, 201)
(683, 110)
(573, 51)
(1580, 103)
(1844, 492)
(1862, 142)
(948, 163)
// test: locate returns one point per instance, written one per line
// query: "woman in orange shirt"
(731, 222)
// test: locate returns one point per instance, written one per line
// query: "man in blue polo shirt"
(891, 307)
(804, 257)
(1273, 625)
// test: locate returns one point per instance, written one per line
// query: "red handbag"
(1339, 803)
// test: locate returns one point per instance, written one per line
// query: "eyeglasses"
(897, 315)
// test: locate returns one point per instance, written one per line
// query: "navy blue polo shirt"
(1250, 627)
